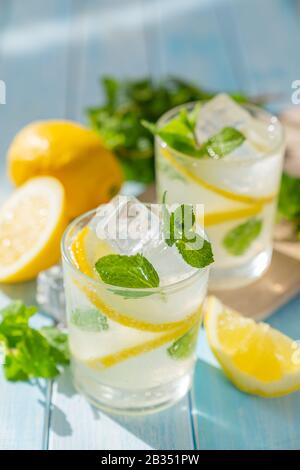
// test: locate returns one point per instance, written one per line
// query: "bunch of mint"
(127, 103)
(30, 353)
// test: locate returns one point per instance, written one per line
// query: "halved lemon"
(255, 357)
(32, 221)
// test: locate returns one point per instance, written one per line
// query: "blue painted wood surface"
(51, 54)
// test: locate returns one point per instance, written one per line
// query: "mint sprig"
(179, 230)
(238, 240)
(134, 271)
(179, 134)
(30, 353)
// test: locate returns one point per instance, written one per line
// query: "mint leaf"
(35, 356)
(239, 239)
(184, 346)
(58, 342)
(177, 223)
(184, 217)
(29, 353)
(127, 271)
(178, 229)
(222, 143)
(289, 198)
(196, 257)
(89, 320)
(15, 322)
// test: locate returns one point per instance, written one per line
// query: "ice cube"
(222, 111)
(130, 227)
(50, 293)
(126, 224)
(168, 262)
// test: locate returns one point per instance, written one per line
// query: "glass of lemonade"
(234, 169)
(133, 348)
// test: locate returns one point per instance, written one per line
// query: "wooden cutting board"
(276, 287)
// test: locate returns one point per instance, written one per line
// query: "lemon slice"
(32, 221)
(255, 357)
(147, 346)
(86, 249)
(211, 187)
(213, 218)
(82, 255)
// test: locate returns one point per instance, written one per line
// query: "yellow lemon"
(255, 357)
(73, 154)
(32, 221)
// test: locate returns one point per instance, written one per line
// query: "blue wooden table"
(51, 54)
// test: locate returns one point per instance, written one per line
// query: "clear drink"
(133, 350)
(239, 190)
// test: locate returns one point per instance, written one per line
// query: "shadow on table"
(167, 429)
(226, 418)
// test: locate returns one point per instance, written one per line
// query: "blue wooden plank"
(266, 36)
(228, 419)
(75, 424)
(107, 39)
(24, 407)
(33, 60)
(34, 50)
(191, 44)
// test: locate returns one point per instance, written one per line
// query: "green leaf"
(223, 143)
(177, 223)
(239, 239)
(289, 198)
(179, 134)
(110, 86)
(15, 322)
(196, 257)
(35, 356)
(89, 320)
(13, 369)
(127, 271)
(181, 143)
(184, 346)
(58, 342)
(29, 353)
(184, 217)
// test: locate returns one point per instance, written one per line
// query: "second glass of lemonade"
(238, 188)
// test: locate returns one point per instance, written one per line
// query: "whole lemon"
(73, 154)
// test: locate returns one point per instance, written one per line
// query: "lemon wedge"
(32, 221)
(255, 357)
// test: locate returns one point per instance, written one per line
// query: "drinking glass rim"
(67, 258)
(173, 111)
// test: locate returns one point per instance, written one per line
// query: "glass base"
(232, 278)
(123, 401)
